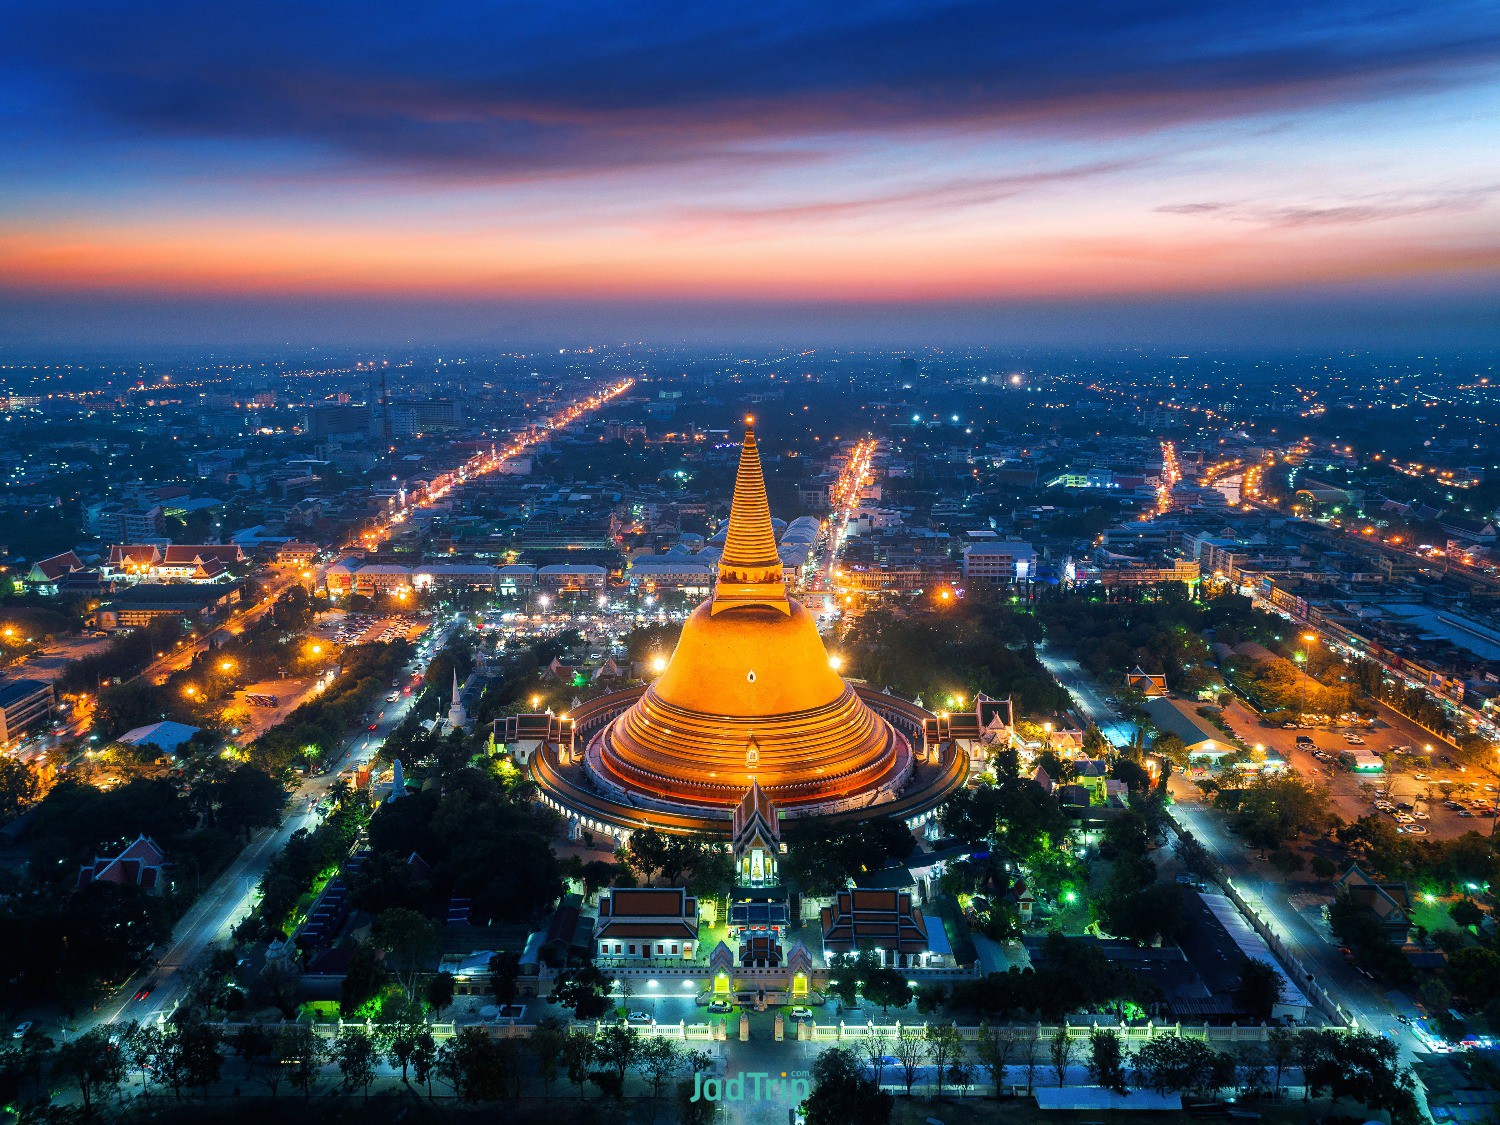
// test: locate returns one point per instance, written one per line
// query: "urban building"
(24, 705)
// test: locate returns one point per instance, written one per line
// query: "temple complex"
(749, 704)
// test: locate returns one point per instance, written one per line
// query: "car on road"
(393, 697)
(374, 726)
(1420, 777)
(719, 1007)
(21, 1029)
(801, 1013)
(146, 990)
(638, 1017)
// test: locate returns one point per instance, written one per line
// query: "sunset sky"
(1180, 169)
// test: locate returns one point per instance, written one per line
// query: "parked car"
(802, 1013)
(719, 1007)
(638, 1017)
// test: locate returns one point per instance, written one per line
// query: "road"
(1294, 910)
(228, 900)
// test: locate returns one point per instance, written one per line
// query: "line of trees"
(1357, 1066)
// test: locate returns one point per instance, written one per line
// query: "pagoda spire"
(750, 567)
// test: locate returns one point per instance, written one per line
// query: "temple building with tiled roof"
(647, 922)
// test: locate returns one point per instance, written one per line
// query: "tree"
(1287, 861)
(355, 1053)
(945, 1046)
(93, 1061)
(401, 1023)
(505, 970)
(363, 979)
(578, 1053)
(142, 1042)
(1060, 1054)
(584, 989)
(875, 1046)
(1323, 867)
(424, 1052)
(647, 854)
(1281, 1046)
(849, 967)
(1173, 1063)
(618, 1047)
(1277, 807)
(911, 1051)
(658, 1060)
(1107, 1061)
(19, 787)
(995, 1046)
(931, 997)
(1362, 1066)
(410, 941)
(1259, 989)
(823, 856)
(842, 1093)
(887, 987)
(256, 1046)
(1475, 972)
(1031, 1053)
(440, 992)
(547, 1042)
(480, 1068)
(199, 1046)
(1465, 913)
(303, 1051)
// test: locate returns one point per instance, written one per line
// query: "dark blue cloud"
(511, 88)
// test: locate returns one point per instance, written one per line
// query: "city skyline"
(1186, 175)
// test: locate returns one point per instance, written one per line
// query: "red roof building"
(879, 920)
(142, 864)
(644, 922)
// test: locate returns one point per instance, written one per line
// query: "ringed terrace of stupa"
(749, 698)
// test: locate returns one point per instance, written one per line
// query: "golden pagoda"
(749, 696)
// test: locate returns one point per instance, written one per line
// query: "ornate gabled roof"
(754, 815)
(873, 919)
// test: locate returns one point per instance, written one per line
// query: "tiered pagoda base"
(578, 785)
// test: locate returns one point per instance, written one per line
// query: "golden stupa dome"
(749, 693)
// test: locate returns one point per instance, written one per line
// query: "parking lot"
(1424, 794)
(370, 628)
